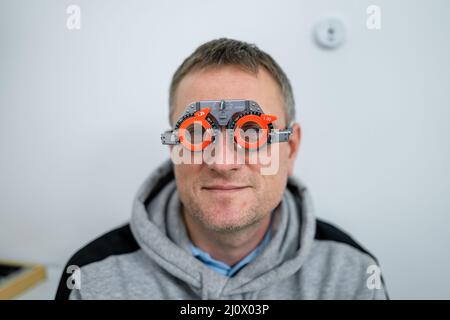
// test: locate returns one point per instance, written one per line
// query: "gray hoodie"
(150, 257)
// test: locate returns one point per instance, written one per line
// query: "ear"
(294, 146)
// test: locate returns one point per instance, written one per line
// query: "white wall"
(81, 113)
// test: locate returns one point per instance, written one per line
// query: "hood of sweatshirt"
(158, 227)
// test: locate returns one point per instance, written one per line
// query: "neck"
(229, 247)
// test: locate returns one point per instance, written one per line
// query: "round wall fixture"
(329, 33)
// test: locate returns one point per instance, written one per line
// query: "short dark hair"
(226, 51)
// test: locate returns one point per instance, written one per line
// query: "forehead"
(230, 82)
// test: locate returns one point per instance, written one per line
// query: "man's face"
(223, 196)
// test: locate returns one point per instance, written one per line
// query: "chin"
(227, 219)
(224, 227)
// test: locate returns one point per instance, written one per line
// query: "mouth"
(222, 188)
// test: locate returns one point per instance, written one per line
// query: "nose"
(224, 155)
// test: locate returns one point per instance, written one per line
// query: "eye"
(251, 132)
(195, 133)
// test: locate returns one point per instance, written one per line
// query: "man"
(220, 229)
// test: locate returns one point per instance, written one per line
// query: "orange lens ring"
(195, 146)
(250, 118)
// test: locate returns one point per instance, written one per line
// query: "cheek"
(185, 176)
(270, 188)
(274, 185)
(273, 161)
(283, 152)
